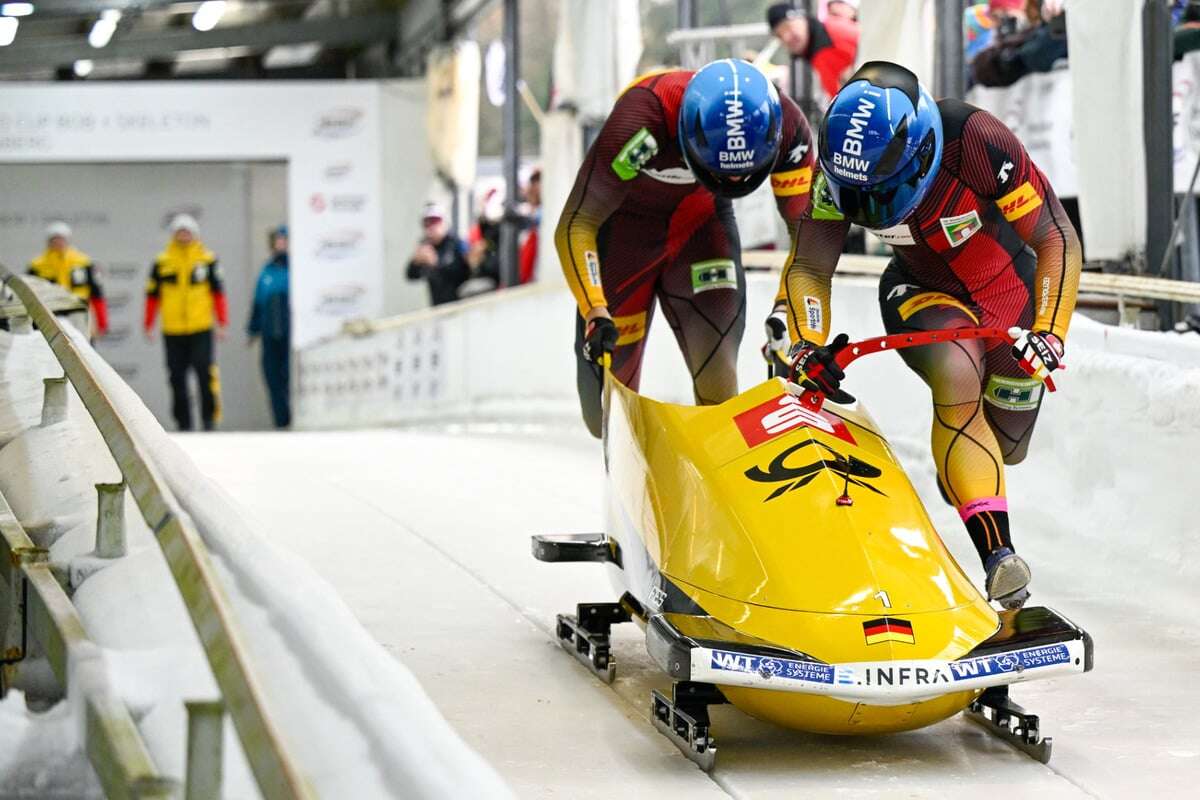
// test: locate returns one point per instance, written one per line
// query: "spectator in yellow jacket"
(185, 281)
(73, 270)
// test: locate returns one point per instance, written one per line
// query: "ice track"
(426, 537)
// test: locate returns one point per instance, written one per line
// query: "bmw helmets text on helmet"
(730, 127)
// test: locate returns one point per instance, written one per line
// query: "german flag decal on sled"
(887, 629)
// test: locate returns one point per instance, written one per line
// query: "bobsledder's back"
(738, 506)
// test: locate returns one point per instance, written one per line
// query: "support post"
(1156, 123)
(512, 145)
(950, 67)
(110, 520)
(801, 73)
(206, 728)
(54, 401)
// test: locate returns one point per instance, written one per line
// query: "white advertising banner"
(329, 134)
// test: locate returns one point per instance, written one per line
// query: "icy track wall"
(354, 718)
(1108, 471)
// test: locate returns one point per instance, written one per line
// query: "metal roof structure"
(172, 39)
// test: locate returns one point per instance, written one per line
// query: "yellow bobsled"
(780, 560)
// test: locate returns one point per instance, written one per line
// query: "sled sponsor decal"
(889, 629)
(792, 182)
(785, 470)
(1013, 394)
(640, 148)
(767, 667)
(782, 414)
(962, 227)
(1019, 202)
(881, 677)
(630, 328)
(924, 300)
(716, 273)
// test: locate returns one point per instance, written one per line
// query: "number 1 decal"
(882, 596)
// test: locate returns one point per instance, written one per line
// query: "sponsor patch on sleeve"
(792, 182)
(593, 266)
(814, 314)
(640, 148)
(1019, 202)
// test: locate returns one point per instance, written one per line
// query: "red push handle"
(898, 341)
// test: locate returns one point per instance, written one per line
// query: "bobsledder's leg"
(631, 257)
(703, 294)
(1012, 399)
(969, 461)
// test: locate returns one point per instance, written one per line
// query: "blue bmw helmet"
(881, 144)
(730, 126)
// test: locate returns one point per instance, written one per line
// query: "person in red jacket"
(830, 45)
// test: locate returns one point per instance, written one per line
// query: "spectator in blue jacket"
(271, 319)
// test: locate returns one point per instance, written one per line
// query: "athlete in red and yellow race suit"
(988, 245)
(638, 229)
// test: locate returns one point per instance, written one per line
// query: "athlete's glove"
(815, 367)
(774, 352)
(599, 339)
(1038, 354)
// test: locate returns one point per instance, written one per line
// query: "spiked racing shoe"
(1007, 578)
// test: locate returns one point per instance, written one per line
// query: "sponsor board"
(343, 203)
(337, 170)
(1019, 202)
(781, 414)
(339, 245)
(341, 300)
(338, 123)
(961, 227)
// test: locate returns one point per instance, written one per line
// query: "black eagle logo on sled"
(849, 468)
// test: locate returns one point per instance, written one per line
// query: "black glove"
(815, 367)
(599, 339)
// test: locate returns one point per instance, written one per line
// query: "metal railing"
(190, 565)
(45, 617)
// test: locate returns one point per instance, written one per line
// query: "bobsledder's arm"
(996, 164)
(791, 179)
(804, 286)
(632, 135)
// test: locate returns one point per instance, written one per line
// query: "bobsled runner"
(779, 559)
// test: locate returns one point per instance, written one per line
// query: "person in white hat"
(440, 257)
(185, 282)
(73, 270)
